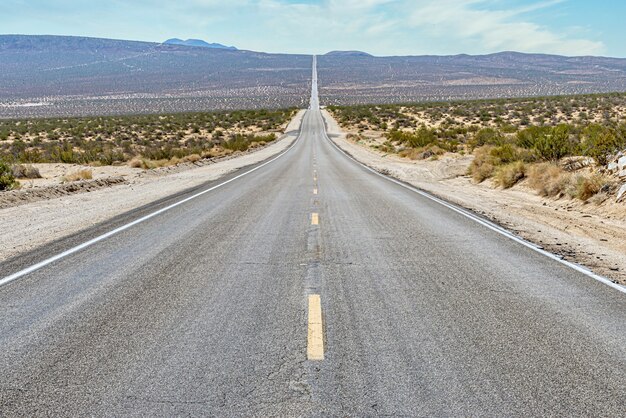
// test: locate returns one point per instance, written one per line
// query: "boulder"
(621, 194)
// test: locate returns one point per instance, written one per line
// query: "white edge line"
(484, 222)
(115, 231)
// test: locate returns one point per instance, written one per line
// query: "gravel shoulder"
(588, 234)
(46, 214)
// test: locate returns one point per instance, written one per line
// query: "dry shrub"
(585, 187)
(509, 175)
(137, 162)
(147, 164)
(422, 153)
(84, 174)
(482, 166)
(216, 152)
(551, 180)
(548, 179)
(23, 171)
(193, 158)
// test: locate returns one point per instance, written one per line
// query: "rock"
(622, 174)
(621, 163)
(612, 167)
(621, 193)
(576, 163)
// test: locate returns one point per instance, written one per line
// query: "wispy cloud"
(473, 21)
(477, 26)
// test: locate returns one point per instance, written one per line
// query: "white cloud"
(496, 29)
(418, 26)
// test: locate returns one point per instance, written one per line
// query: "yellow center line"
(315, 219)
(315, 340)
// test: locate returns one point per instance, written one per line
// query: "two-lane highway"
(310, 286)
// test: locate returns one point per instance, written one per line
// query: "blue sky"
(381, 27)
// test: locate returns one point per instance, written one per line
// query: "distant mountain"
(347, 79)
(67, 75)
(61, 75)
(347, 54)
(198, 43)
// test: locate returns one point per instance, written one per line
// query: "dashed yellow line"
(314, 191)
(315, 340)
(315, 219)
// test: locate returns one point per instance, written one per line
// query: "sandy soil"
(588, 234)
(29, 225)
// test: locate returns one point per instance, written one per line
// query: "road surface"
(308, 287)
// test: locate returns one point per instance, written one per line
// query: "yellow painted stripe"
(315, 219)
(314, 191)
(315, 341)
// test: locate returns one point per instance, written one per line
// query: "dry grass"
(84, 174)
(509, 175)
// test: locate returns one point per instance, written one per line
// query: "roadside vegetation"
(562, 145)
(146, 141)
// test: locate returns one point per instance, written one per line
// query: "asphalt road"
(206, 309)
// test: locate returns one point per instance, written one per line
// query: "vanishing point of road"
(310, 286)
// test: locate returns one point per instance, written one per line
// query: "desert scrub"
(84, 174)
(118, 139)
(509, 175)
(243, 142)
(488, 157)
(7, 179)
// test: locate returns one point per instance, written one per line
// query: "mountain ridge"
(198, 43)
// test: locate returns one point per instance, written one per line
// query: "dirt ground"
(588, 234)
(49, 213)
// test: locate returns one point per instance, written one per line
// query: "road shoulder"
(31, 225)
(579, 233)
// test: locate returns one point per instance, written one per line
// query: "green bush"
(487, 136)
(7, 180)
(600, 143)
(554, 144)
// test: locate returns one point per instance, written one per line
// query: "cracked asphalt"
(202, 310)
